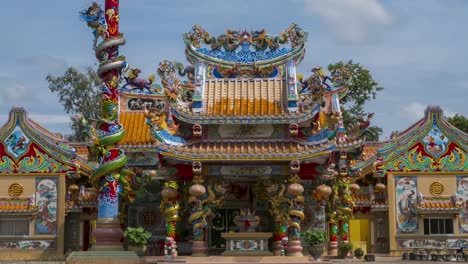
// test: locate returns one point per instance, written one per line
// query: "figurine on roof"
(157, 119)
(134, 83)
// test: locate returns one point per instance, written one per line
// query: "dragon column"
(110, 176)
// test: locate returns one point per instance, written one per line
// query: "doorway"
(359, 234)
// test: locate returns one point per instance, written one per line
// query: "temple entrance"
(222, 222)
(239, 199)
(359, 234)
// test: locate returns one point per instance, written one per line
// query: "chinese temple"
(37, 174)
(239, 142)
(413, 189)
(232, 154)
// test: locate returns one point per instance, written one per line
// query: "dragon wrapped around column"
(170, 208)
(279, 207)
(110, 177)
(340, 209)
(203, 200)
(296, 215)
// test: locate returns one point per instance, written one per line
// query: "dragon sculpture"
(170, 208)
(232, 39)
(275, 193)
(203, 207)
(111, 178)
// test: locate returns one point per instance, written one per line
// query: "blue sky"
(415, 49)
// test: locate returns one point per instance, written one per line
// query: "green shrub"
(313, 237)
(137, 236)
(358, 252)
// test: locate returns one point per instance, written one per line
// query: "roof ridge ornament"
(233, 39)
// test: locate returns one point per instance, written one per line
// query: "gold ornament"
(15, 190)
(436, 188)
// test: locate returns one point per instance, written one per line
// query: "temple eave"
(244, 157)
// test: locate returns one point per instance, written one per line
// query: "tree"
(459, 122)
(78, 93)
(362, 89)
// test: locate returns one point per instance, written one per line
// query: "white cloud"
(11, 90)
(352, 20)
(415, 111)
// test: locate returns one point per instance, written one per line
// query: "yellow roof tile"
(136, 130)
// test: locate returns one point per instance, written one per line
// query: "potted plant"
(358, 253)
(343, 249)
(137, 238)
(314, 239)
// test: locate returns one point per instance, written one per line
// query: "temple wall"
(46, 228)
(407, 230)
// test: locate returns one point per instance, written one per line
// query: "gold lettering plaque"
(436, 188)
(15, 190)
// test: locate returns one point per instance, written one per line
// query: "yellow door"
(359, 234)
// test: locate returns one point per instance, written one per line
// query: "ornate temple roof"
(245, 150)
(243, 49)
(431, 144)
(27, 147)
(243, 101)
(241, 80)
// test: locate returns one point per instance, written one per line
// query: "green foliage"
(358, 252)
(78, 93)
(345, 247)
(362, 89)
(137, 236)
(459, 122)
(313, 237)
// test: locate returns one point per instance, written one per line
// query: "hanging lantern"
(321, 192)
(74, 188)
(197, 190)
(151, 173)
(295, 189)
(380, 187)
(169, 193)
(354, 187)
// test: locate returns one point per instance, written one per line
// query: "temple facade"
(237, 142)
(413, 188)
(233, 154)
(42, 207)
